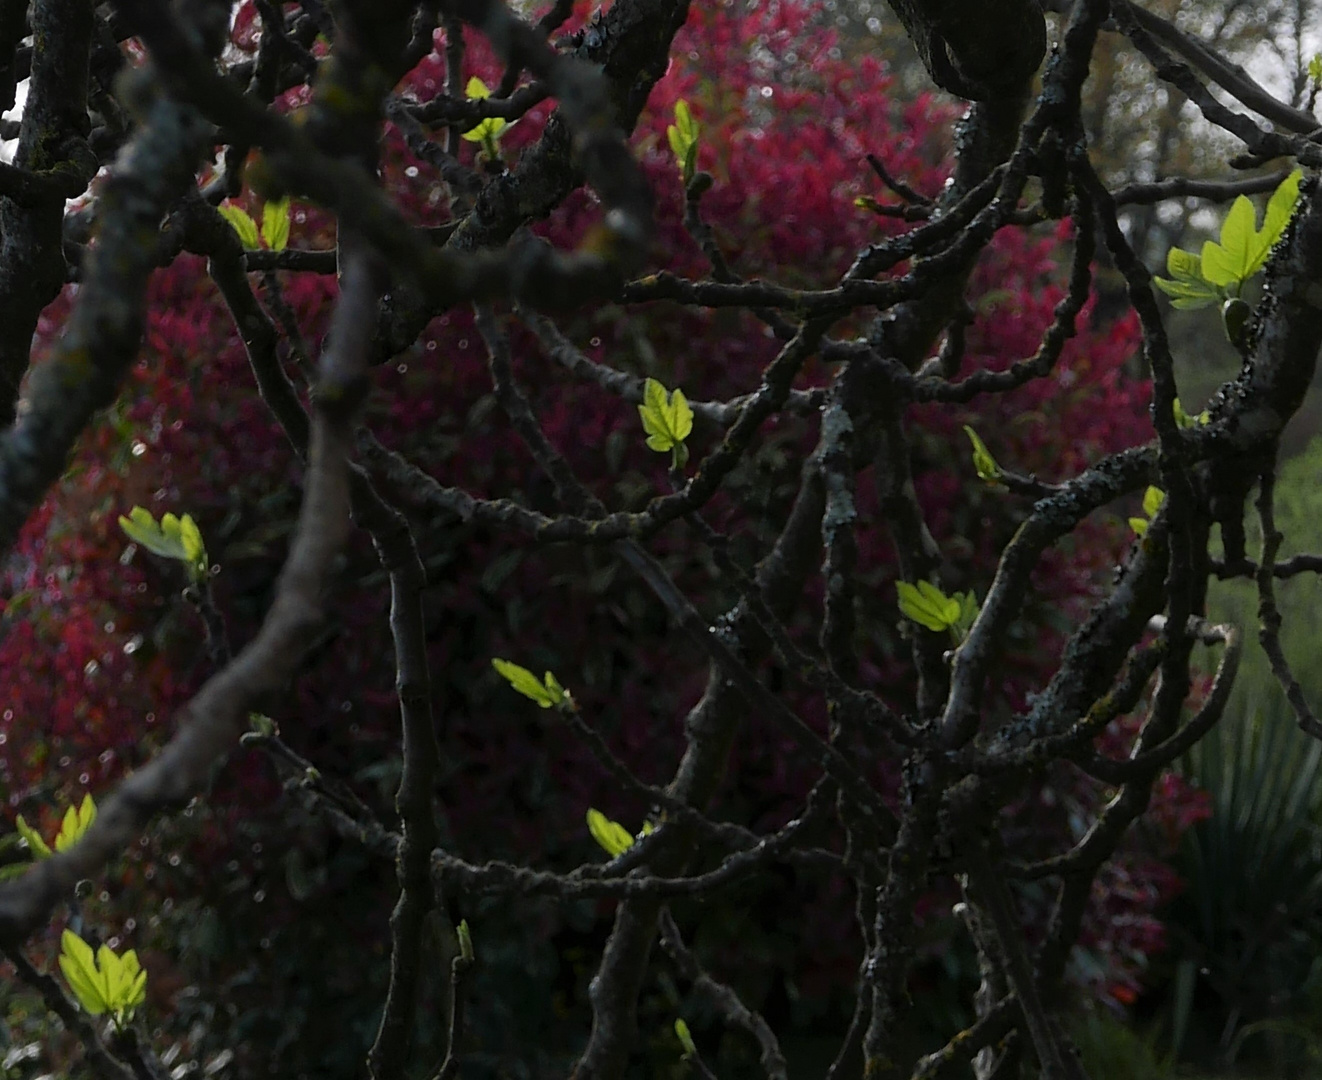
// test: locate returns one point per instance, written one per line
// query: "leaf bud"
(1235, 317)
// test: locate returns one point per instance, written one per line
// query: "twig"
(630, 387)
(724, 998)
(459, 968)
(1269, 615)
(988, 888)
(903, 190)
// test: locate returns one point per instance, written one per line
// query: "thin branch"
(989, 1029)
(1232, 78)
(594, 881)
(987, 886)
(1269, 615)
(1180, 187)
(724, 998)
(459, 968)
(630, 387)
(903, 190)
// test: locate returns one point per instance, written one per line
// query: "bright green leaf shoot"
(1232, 260)
(983, 462)
(1152, 500)
(928, 606)
(1220, 271)
(1235, 316)
(39, 848)
(685, 1038)
(275, 224)
(106, 983)
(173, 538)
(1184, 420)
(554, 688)
(1187, 296)
(465, 941)
(667, 419)
(547, 691)
(1315, 68)
(968, 614)
(488, 131)
(1280, 208)
(11, 870)
(613, 837)
(74, 823)
(1187, 288)
(244, 225)
(1244, 247)
(683, 135)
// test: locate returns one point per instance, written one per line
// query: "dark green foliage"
(1247, 932)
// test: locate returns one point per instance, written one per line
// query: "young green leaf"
(39, 848)
(1235, 315)
(1188, 297)
(244, 225)
(1223, 267)
(104, 983)
(1184, 420)
(547, 692)
(927, 605)
(968, 614)
(667, 419)
(683, 136)
(685, 1038)
(553, 687)
(1280, 208)
(81, 973)
(1232, 260)
(1244, 248)
(1187, 287)
(190, 539)
(613, 837)
(75, 822)
(488, 131)
(983, 462)
(1184, 265)
(173, 538)
(1315, 68)
(465, 941)
(1152, 500)
(275, 224)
